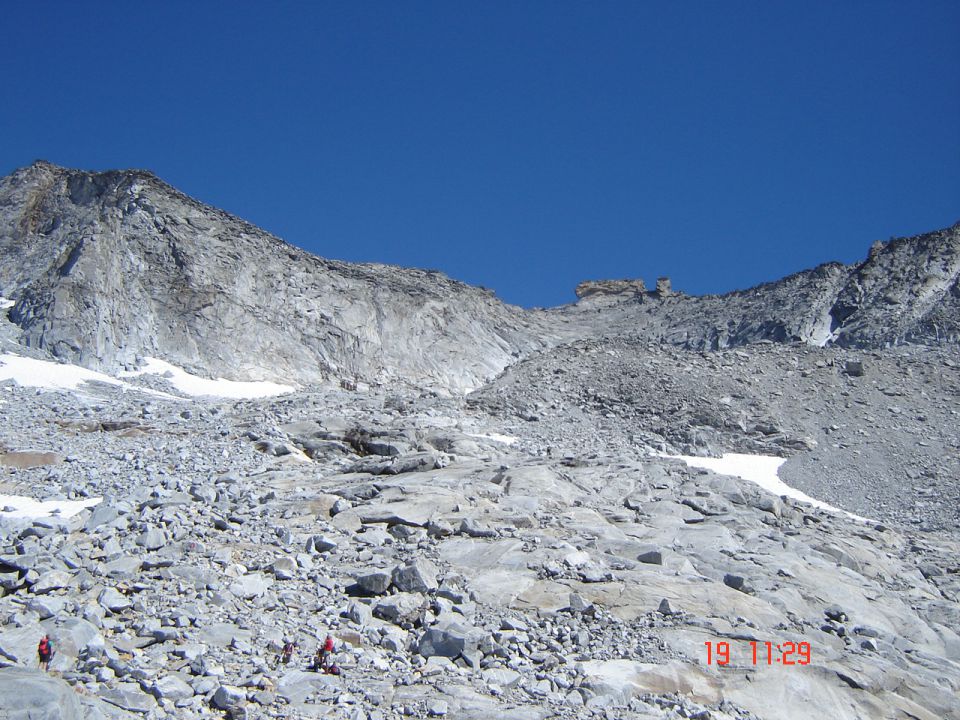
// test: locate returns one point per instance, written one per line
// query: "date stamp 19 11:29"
(759, 653)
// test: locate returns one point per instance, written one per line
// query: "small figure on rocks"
(45, 652)
(286, 654)
(321, 661)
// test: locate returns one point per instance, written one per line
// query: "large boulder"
(171, 687)
(113, 600)
(18, 645)
(250, 586)
(228, 697)
(400, 608)
(71, 638)
(129, 696)
(296, 686)
(27, 694)
(374, 583)
(450, 641)
(417, 576)
(50, 581)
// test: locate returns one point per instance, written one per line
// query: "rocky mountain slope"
(106, 268)
(873, 432)
(906, 291)
(463, 569)
(493, 512)
(109, 267)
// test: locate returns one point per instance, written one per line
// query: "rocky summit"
(217, 451)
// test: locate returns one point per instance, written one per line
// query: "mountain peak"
(109, 267)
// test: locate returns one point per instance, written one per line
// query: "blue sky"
(523, 146)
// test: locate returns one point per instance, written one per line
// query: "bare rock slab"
(27, 694)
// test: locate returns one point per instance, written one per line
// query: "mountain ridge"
(109, 267)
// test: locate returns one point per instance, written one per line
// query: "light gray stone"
(128, 696)
(400, 608)
(123, 568)
(171, 687)
(451, 640)
(250, 586)
(320, 544)
(228, 697)
(284, 568)
(152, 539)
(27, 694)
(50, 581)
(417, 576)
(114, 601)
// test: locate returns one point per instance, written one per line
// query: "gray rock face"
(907, 290)
(34, 695)
(108, 267)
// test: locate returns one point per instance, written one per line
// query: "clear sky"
(522, 145)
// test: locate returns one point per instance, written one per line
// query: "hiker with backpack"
(45, 652)
(322, 662)
(286, 654)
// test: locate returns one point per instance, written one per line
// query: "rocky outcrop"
(906, 290)
(109, 267)
(27, 694)
(592, 288)
(794, 309)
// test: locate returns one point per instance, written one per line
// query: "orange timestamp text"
(760, 653)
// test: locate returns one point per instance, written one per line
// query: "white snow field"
(496, 437)
(24, 507)
(197, 386)
(761, 470)
(30, 372)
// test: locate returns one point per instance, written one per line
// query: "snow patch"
(31, 372)
(6, 303)
(195, 385)
(761, 470)
(821, 334)
(496, 437)
(24, 507)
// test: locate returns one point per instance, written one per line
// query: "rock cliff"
(906, 291)
(108, 267)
